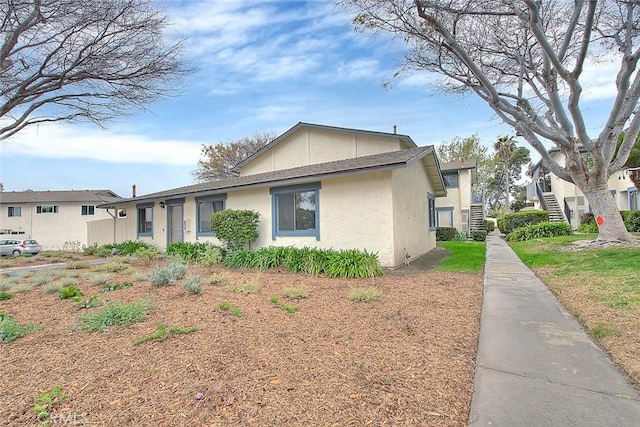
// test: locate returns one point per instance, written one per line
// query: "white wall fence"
(105, 231)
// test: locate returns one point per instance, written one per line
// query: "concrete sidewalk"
(535, 365)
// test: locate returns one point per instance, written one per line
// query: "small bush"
(587, 218)
(130, 247)
(631, 220)
(537, 231)
(10, 330)
(76, 265)
(479, 235)
(491, 226)
(588, 227)
(146, 255)
(192, 284)
(53, 288)
(227, 306)
(40, 279)
(444, 234)
(177, 270)
(116, 287)
(115, 313)
(98, 278)
(90, 250)
(70, 292)
(211, 256)
(240, 258)
(67, 281)
(364, 295)
(159, 277)
(523, 218)
(21, 287)
(245, 288)
(4, 295)
(112, 267)
(91, 302)
(163, 332)
(103, 252)
(296, 293)
(236, 228)
(45, 403)
(218, 279)
(500, 224)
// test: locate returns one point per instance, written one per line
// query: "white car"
(12, 247)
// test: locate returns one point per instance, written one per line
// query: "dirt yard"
(406, 359)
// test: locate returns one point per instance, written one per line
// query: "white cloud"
(58, 141)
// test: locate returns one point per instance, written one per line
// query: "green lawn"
(468, 256)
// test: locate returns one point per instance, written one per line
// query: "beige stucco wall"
(105, 231)
(51, 230)
(312, 146)
(411, 213)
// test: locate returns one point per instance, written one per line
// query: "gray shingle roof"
(460, 164)
(52, 196)
(306, 173)
(406, 138)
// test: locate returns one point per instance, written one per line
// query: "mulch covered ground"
(406, 359)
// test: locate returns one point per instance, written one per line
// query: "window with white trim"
(46, 209)
(432, 211)
(14, 211)
(87, 210)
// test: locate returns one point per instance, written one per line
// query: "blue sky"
(259, 66)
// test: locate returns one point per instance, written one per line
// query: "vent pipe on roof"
(133, 190)
(395, 128)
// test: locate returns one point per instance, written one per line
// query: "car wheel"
(16, 253)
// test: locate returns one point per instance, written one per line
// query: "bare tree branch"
(65, 60)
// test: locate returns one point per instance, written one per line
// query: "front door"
(175, 224)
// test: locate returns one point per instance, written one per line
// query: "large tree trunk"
(610, 224)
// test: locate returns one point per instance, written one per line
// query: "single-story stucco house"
(314, 185)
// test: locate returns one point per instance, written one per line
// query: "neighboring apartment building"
(316, 186)
(53, 218)
(564, 200)
(461, 208)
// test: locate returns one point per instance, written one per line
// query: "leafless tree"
(526, 60)
(64, 60)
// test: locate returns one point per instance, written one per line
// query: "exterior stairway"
(552, 205)
(476, 218)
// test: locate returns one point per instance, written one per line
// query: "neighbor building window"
(295, 211)
(450, 179)
(14, 211)
(47, 209)
(87, 210)
(205, 207)
(432, 211)
(145, 220)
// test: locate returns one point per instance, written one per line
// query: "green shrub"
(444, 234)
(159, 277)
(70, 292)
(186, 251)
(115, 313)
(523, 218)
(46, 402)
(67, 281)
(112, 267)
(537, 231)
(218, 279)
(479, 235)
(91, 302)
(4, 295)
(587, 218)
(192, 284)
(631, 220)
(76, 265)
(364, 294)
(588, 227)
(353, 263)
(130, 247)
(236, 228)
(177, 270)
(491, 225)
(53, 288)
(10, 330)
(211, 256)
(40, 279)
(146, 255)
(500, 224)
(240, 258)
(118, 286)
(90, 250)
(21, 287)
(103, 252)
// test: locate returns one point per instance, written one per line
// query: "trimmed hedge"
(479, 235)
(631, 221)
(490, 226)
(542, 229)
(521, 219)
(446, 233)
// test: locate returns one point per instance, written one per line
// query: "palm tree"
(505, 147)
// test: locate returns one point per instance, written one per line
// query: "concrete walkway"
(535, 365)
